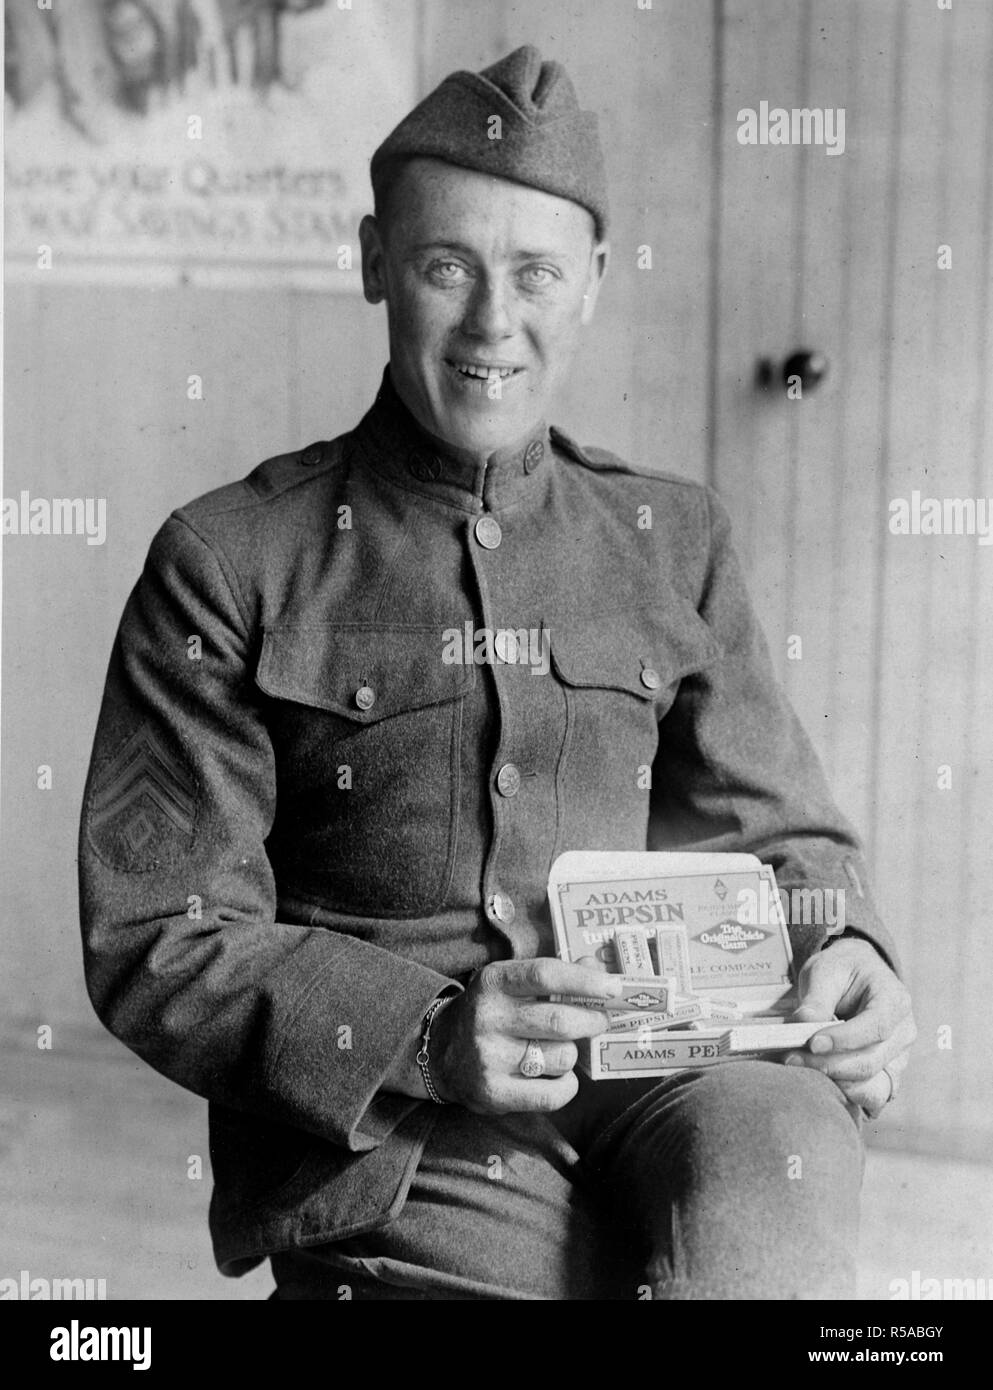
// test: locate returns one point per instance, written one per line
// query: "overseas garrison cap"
(544, 139)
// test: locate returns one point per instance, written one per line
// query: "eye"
(538, 276)
(446, 272)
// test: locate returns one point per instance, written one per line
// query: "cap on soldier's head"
(542, 138)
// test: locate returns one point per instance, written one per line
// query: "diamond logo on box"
(642, 1001)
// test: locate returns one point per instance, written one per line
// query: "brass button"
(311, 457)
(488, 532)
(365, 697)
(425, 466)
(501, 909)
(506, 648)
(508, 780)
(533, 455)
(650, 678)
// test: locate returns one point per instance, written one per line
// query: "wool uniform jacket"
(311, 809)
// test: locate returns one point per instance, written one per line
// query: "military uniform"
(311, 811)
(300, 820)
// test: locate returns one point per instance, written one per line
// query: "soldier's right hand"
(479, 1040)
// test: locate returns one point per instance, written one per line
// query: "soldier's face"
(487, 284)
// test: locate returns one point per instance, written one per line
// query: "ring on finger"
(874, 1112)
(533, 1062)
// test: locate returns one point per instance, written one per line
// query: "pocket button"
(365, 697)
(500, 908)
(508, 780)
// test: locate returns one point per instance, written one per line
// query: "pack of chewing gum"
(704, 951)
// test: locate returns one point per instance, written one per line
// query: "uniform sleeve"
(185, 961)
(736, 772)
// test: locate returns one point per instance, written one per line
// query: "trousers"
(737, 1181)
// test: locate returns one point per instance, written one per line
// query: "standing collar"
(400, 448)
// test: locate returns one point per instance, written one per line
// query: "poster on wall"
(210, 141)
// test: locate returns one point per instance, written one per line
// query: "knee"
(760, 1187)
(751, 1119)
(770, 1115)
(776, 1093)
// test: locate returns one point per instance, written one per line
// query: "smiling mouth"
(480, 371)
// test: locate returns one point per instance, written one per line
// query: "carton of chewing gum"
(682, 1011)
(672, 949)
(700, 946)
(633, 955)
(760, 1037)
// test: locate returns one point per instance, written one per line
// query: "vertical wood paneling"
(960, 605)
(338, 349)
(903, 785)
(972, 1015)
(926, 634)
(896, 630)
(755, 299)
(854, 389)
(821, 308)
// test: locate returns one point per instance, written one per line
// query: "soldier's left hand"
(865, 1054)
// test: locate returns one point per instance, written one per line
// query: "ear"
(599, 257)
(373, 260)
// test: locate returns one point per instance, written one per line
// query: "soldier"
(314, 856)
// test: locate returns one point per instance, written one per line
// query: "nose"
(488, 313)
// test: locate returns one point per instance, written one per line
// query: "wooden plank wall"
(841, 254)
(933, 673)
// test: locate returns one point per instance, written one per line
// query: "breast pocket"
(365, 722)
(621, 673)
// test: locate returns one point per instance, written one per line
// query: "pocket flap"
(641, 652)
(364, 672)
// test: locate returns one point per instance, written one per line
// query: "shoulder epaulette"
(283, 471)
(604, 461)
(600, 459)
(268, 479)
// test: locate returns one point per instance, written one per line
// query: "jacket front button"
(488, 532)
(650, 679)
(508, 780)
(365, 697)
(500, 908)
